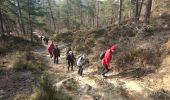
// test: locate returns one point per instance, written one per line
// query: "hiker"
(56, 54)
(50, 49)
(69, 49)
(80, 63)
(106, 59)
(70, 60)
(41, 37)
(45, 39)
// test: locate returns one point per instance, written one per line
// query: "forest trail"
(136, 88)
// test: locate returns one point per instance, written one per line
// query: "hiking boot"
(104, 76)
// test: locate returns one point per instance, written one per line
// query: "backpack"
(102, 54)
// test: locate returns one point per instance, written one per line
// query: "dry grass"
(28, 61)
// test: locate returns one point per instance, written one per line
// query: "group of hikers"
(105, 58)
(45, 39)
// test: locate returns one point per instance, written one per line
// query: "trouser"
(55, 59)
(105, 70)
(80, 71)
(51, 55)
(70, 63)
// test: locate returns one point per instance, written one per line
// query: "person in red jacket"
(50, 49)
(107, 58)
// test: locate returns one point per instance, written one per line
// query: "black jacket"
(70, 57)
(56, 52)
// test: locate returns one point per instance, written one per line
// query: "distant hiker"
(45, 39)
(106, 59)
(41, 37)
(50, 49)
(80, 63)
(69, 49)
(56, 54)
(70, 60)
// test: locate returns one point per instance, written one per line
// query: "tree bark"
(136, 11)
(52, 17)
(148, 11)
(120, 11)
(1, 19)
(30, 20)
(97, 15)
(20, 18)
(68, 21)
(140, 9)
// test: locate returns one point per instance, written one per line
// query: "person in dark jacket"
(45, 40)
(70, 59)
(107, 58)
(69, 49)
(56, 54)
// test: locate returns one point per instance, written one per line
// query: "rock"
(59, 84)
(86, 88)
(86, 97)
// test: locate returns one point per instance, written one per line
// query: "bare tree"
(20, 17)
(1, 19)
(148, 10)
(140, 9)
(120, 11)
(30, 20)
(52, 17)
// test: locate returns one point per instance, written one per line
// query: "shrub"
(65, 37)
(150, 28)
(48, 92)
(23, 66)
(28, 61)
(22, 97)
(99, 32)
(71, 85)
(2, 71)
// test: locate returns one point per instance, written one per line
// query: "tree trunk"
(81, 13)
(30, 20)
(120, 11)
(68, 21)
(1, 19)
(148, 10)
(52, 17)
(97, 15)
(20, 18)
(136, 11)
(140, 9)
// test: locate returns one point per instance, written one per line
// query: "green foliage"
(127, 59)
(29, 66)
(99, 32)
(2, 71)
(71, 85)
(47, 90)
(149, 29)
(83, 49)
(9, 43)
(66, 37)
(27, 62)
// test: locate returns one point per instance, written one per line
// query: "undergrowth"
(28, 61)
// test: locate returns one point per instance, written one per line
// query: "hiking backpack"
(102, 54)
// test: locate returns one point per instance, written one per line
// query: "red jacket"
(107, 58)
(50, 48)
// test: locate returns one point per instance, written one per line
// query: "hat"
(114, 47)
